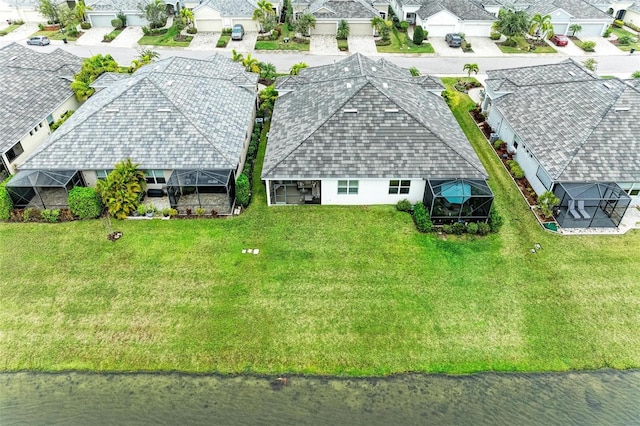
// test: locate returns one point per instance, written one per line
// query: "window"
(50, 119)
(155, 176)
(347, 187)
(399, 186)
(634, 192)
(14, 152)
(102, 174)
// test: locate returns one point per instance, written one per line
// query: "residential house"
(35, 93)
(440, 17)
(572, 133)
(214, 15)
(186, 122)
(24, 10)
(564, 13)
(328, 13)
(102, 12)
(362, 132)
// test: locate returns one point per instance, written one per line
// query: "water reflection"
(598, 398)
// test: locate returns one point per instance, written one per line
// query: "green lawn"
(539, 49)
(166, 39)
(115, 33)
(400, 43)
(334, 290)
(620, 32)
(279, 44)
(8, 29)
(55, 35)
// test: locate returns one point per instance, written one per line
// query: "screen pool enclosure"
(458, 200)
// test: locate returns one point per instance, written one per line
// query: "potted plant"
(140, 210)
(199, 211)
(151, 209)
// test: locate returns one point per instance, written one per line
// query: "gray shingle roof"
(178, 113)
(464, 9)
(399, 129)
(233, 8)
(33, 85)
(579, 9)
(114, 5)
(342, 9)
(107, 79)
(570, 123)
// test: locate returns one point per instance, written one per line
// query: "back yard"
(334, 290)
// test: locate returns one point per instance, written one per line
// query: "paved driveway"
(324, 45)
(128, 38)
(246, 45)
(21, 33)
(365, 45)
(204, 41)
(603, 47)
(93, 36)
(482, 46)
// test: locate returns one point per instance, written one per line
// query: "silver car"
(39, 41)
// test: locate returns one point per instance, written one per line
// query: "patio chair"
(572, 210)
(582, 211)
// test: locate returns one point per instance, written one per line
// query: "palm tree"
(343, 30)
(80, 9)
(295, 69)
(415, 72)
(382, 27)
(575, 28)
(146, 56)
(187, 16)
(251, 64)
(512, 22)
(471, 68)
(121, 190)
(540, 25)
(236, 57)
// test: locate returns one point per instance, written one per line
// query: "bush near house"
(223, 41)
(495, 219)
(421, 218)
(515, 168)
(5, 201)
(404, 205)
(242, 190)
(51, 216)
(618, 23)
(85, 202)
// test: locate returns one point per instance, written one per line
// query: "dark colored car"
(39, 41)
(559, 40)
(453, 40)
(237, 32)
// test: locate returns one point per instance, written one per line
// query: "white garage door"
(440, 30)
(249, 24)
(361, 29)
(477, 30)
(560, 28)
(592, 30)
(136, 20)
(101, 20)
(209, 25)
(325, 28)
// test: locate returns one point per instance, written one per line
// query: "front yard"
(56, 35)
(334, 290)
(166, 37)
(400, 43)
(621, 33)
(285, 41)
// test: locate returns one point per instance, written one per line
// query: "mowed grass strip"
(334, 290)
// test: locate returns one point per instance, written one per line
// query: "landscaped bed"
(165, 37)
(333, 290)
(56, 35)
(400, 43)
(285, 41)
(621, 33)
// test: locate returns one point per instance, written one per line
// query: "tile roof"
(233, 8)
(400, 128)
(579, 127)
(178, 113)
(114, 5)
(342, 9)
(468, 10)
(579, 9)
(33, 84)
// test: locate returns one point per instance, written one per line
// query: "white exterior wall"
(630, 186)
(370, 191)
(592, 29)
(207, 19)
(324, 28)
(249, 24)
(361, 28)
(477, 28)
(631, 17)
(441, 24)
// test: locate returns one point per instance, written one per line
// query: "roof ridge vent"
(348, 85)
(572, 74)
(346, 69)
(164, 109)
(607, 85)
(391, 110)
(112, 110)
(385, 85)
(621, 108)
(373, 69)
(350, 110)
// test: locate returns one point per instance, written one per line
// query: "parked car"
(559, 40)
(237, 32)
(453, 39)
(39, 41)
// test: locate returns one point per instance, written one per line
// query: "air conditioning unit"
(493, 137)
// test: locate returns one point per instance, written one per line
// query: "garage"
(477, 29)
(136, 20)
(361, 29)
(325, 28)
(209, 25)
(560, 28)
(440, 30)
(591, 29)
(101, 20)
(249, 24)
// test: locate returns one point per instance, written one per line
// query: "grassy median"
(334, 290)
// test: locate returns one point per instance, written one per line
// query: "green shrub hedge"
(404, 205)
(242, 190)
(51, 215)
(422, 218)
(85, 202)
(5, 201)
(515, 168)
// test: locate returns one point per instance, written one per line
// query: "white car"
(39, 41)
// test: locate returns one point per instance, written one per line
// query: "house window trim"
(349, 187)
(11, 151)
(106, 173)
(402, 187)
(155, 177)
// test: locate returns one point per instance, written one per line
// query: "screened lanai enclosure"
(43, 189)
(458, 200)
(208, 189)
(590, 205)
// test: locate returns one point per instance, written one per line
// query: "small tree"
(512, 22)
(415, 72)
(591, 64)
(268, 72)
(121, 190)
(80, 9)
(187, 16)
(268, 97)
(50, 9)
(242, 190)
(382, 27)
(547, 201)
(343, 30)
(85, 202)
(146, 56)
(304, 23)
(575, 29)
(155, 11)
(418, 35)
(636, 74)
(236, 57)
(471, 68)
(251, 64)
(540, 25)
(295, 69)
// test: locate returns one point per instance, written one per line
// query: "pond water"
(584, 398)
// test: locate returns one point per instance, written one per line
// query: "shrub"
(123, 18)
(457, 228)
(141, 209)
(497, 144)
(421, 218)
(607, 33)
(62, 119)
(472, 228)
(226, 31)
(3, 33)
(146, 31)
(403, 26)
(588, 46)
(199, 211)
(242, 190)
(483, 228)
(547, 201)
(418, 35)
(192, 30)
(73, 31)
(85, 202)
(5, 202)
(173, 212)
(117, 23)
(635, 74)
(618, 23)
(85, 25)
(495, 220)
(625, 40)
(515, 168)
(41, 26)
(495, 35)
(108, 37)
(223, 41)
(403, 205)
(21, 22)
(51, 216)
(448, 96)
(510, 42)
(446, 229)
(31, 214)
